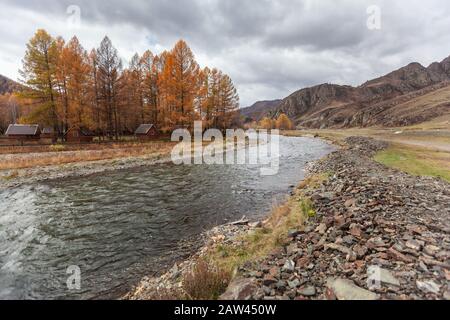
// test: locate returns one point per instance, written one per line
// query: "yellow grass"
(20, 161)
(260, 242)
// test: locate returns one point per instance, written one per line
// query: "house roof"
(83, 131)
(143, 128)
(22, 129)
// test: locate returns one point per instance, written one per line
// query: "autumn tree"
(109, 76)
(39, 76)
(181, 80)
(70, 88)
(266, 123)
(283, 122)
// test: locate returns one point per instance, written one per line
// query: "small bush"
(205, 281)
(307, 209)
(57, 147)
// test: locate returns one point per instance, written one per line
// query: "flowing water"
(121, 226)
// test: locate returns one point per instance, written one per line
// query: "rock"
(274, 272)
(360, 251)
(293, 233)
(394, 254)
(255, 225)
(239, 289)
(348, 240)
(338, 247)
(281, 285)
(289, 266)
(303, 262)
(447, 295)
(292, 249)
(376, 242)
(355, 231)
(350, 203)
(307, 291)
(294, 283)
(346, 290)
(269, 280)
(322, 228)
(415, 245)
(428, 286)
(431, 250)
(384, 276)
(423, 266)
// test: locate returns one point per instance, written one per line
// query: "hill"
(7, 85)
(259, 109)
(406, 96)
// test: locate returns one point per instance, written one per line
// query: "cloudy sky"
(269, 48)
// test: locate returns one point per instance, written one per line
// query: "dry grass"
(20, 161)
(259, 243)
(205, 281)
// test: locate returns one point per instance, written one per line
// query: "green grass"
(416, 161)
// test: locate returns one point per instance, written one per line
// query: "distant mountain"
(7, 85)
(409, 95)
(259, 109)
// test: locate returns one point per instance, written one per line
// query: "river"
(123, 225)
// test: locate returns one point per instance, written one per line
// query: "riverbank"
(77, 165)
(354, 230)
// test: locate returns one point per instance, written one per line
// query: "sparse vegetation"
(205, 281)
(416, 161)
(258, 243)
(57, 147)
(19, 161)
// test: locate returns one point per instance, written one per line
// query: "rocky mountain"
(256, 111)
(406, 96)
(7, 85)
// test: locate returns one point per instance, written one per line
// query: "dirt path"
(431, 144)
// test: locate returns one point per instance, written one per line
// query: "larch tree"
(182, 75)
(39, 76)
(109, 73)
(70, 88)
(283, 122)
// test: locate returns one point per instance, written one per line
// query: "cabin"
(23, 132)
(147, 132)
(79, 135)
(49, 134)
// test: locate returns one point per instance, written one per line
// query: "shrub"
(57, 147)
(205, 281)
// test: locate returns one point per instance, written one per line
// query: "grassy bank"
(416, 161)
(60, 154)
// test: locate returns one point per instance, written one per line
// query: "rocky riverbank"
(376, 233)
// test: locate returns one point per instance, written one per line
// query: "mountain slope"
(259, 109)
(7, 85)
(391, 100)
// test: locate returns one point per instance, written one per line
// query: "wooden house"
(147, 132)
(23, 132)
(49, 134)
(79, 135)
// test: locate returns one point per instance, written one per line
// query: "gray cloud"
(269, 48)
